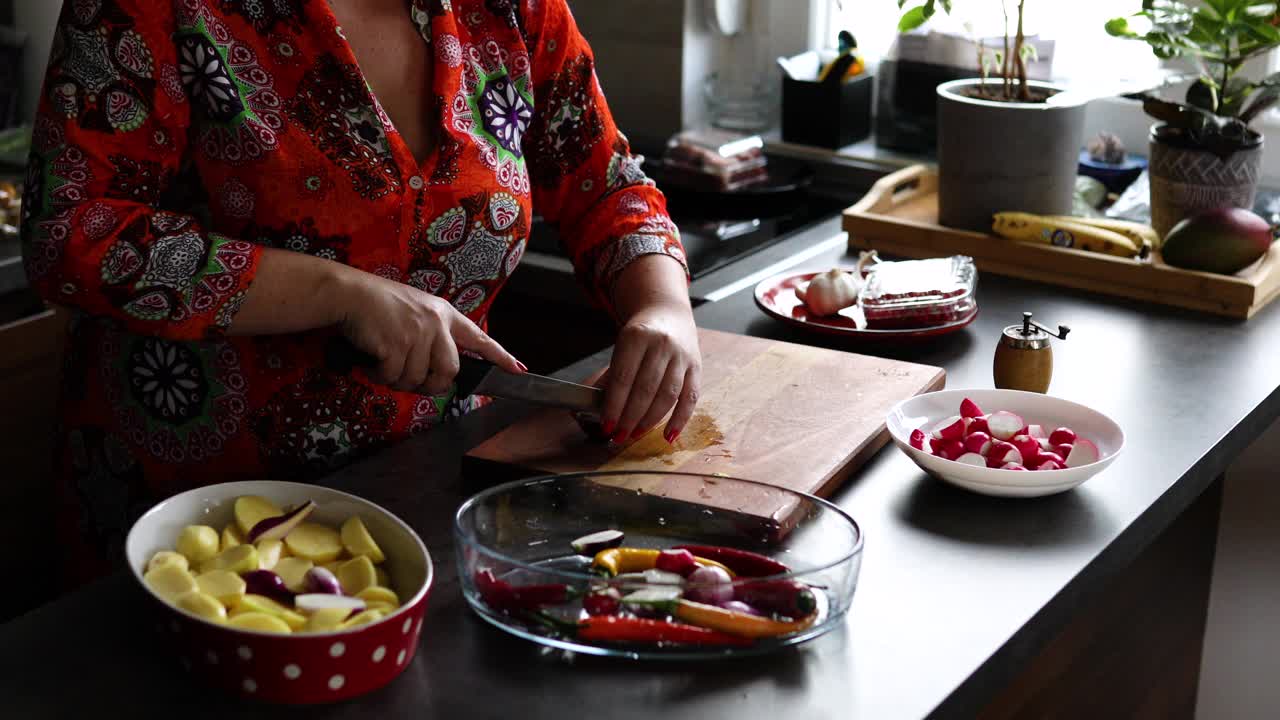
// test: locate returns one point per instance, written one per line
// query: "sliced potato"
(326, 619)
(315, 542)
(252, 603)
(250, 509)
(261, 622)
(170, 581)
(356, 575)
(269, 553)
(377, 593)
(231, 537)
(383, 578)
(198, 543)
(357, 540)
(293, 571)
(239, 559)
(224, 585)
(362, 618)
(333, 566)
(167, 557)
(202, 604)
(384, 608)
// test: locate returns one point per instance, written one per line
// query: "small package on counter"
(918, 293)
(714, 159)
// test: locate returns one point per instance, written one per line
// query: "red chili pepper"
(502, 595)
(741, 562)
(790, 598)
(617, 628)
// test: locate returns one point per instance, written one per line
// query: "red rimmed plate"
(776, 296)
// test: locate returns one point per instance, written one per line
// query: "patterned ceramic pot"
(1186, 180)
(303, 668)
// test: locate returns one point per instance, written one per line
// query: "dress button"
(415, 182)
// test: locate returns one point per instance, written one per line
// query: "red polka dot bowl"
(302, 668)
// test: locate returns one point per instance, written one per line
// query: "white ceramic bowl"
(924, 411)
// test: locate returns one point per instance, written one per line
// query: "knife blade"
(481, 376)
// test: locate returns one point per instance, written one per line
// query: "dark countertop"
(957, 591)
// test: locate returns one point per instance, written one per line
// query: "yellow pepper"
(619, 560)
(738, 623)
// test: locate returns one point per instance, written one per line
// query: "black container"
(907, 104)
(829, 115)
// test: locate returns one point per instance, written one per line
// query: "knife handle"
(341, 356)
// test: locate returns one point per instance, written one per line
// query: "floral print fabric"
(176, 140)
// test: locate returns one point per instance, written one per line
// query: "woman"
(218, 187)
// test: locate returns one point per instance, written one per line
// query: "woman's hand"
(415, 335)
(656, 366)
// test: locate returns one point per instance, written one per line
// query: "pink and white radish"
(1037, 432)
(1013, 466)
(1083, 452)
(978, 442)
(312, 602)
(950, 429)
(1063, 436)
(919, 441)
(1004, 424)
(972, 458)
(970, 409)
(1003, 453)
(978, 425)
(1063, 449)
(1049, 465)
(948, 449)
(1026, 445)
(1051, 456)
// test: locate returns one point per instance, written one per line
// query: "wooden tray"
(899, 216)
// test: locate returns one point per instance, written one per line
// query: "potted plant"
(1204, 155)
(1005, 142)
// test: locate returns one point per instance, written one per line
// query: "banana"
(1139, 233)
(1070, 233)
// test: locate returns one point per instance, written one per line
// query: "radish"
(1049, 465)
(1062, 436)
(978, 424)
(710, 585)
(320, 580)
(972, 458)
(1044, 456)
(1004, 425)
(1044, 443)
(1026, 445)
(1003, 453)
(1064, 449)
(970, 409)
(591, 544)
(978, 442)
(275, 528)
(1083, 452)
(1013, 466)
(950, 429)
(1037, 432)
(918, 440)
(948, 449)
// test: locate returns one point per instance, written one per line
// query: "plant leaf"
(1119, 27)
(912, 19)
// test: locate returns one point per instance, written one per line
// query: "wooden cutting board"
(793, 416)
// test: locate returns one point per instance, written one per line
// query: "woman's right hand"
(415, 335)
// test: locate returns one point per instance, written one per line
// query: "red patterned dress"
(176, 139)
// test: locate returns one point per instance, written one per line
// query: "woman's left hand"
(656, 366)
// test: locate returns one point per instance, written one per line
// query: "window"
(1082, 48)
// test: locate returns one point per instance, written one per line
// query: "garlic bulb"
(830, 292)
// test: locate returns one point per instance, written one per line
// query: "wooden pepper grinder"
(1024, 358)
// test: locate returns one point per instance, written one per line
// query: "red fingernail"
(609, 425)
(638, 433)
(619, 438)
(672, 436)
(522, 366)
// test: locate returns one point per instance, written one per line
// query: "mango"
(1224, 240)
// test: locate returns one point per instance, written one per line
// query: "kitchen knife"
(481, 376)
